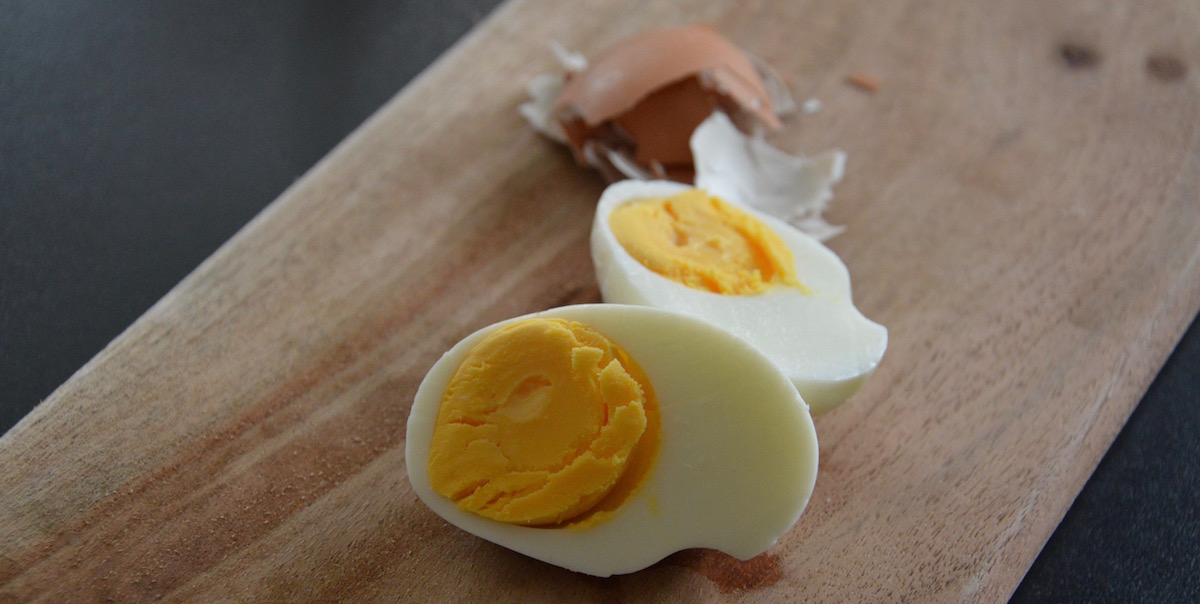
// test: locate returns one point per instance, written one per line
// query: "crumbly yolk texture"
(704, 243)
(544, 422)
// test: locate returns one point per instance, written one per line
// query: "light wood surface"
(1023, 209)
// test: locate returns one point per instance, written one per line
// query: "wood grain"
(1023, 212)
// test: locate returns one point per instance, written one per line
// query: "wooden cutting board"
(1022, 204)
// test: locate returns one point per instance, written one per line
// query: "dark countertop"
(137, 138)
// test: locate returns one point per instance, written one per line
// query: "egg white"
(819, 339)
(736, 465)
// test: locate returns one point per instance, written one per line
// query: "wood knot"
(1165, 68)
(1079, 56)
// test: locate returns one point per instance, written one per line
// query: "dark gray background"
(137, 137)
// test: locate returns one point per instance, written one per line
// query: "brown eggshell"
(646, 94)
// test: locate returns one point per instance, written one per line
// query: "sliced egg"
(651, 245)
(602, 438)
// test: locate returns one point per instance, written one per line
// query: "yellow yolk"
(704, 243)
(543, 422)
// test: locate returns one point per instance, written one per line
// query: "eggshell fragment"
(543, 90)
(685, 104)
(748, 171)
(631, 111)
(619, 78)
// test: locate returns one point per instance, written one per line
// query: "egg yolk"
(704, 243)
(545, 421)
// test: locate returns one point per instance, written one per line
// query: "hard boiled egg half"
(671, 246)
(602, 438)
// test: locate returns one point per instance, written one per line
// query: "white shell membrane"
(736, 465)
(818, 339)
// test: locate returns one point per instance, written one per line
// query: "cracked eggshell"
(642, 98)
(749, 172)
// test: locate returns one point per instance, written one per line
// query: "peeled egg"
(602, 438)
(670, 246)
